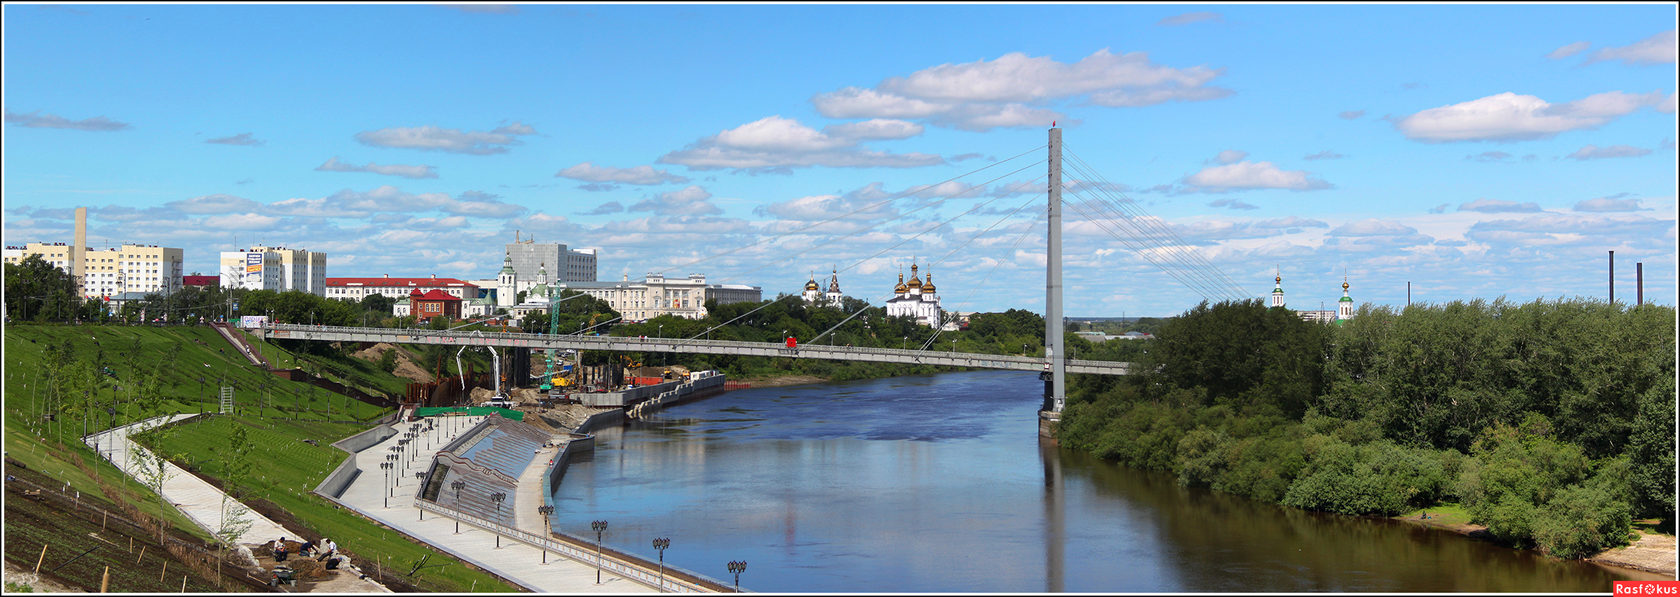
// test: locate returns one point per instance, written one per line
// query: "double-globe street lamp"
(737, 567)
(545, 510)
(386, 495)
(498, 497)
(660, 544)
(600, 527)
(457, 486)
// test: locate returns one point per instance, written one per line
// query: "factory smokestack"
(1612, 277)
(1639, 282)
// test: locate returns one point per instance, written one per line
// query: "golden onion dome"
(928, 287)
(901, 288)
(915, 282)
(811, 285)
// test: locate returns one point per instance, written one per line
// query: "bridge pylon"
(1055, 387)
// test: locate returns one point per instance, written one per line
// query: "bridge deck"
(680, 345)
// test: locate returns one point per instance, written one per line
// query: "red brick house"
(433, 303)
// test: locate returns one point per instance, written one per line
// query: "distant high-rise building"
(567, 265)
(111, 272)
(275, 268)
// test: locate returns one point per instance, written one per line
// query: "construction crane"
(548, 379)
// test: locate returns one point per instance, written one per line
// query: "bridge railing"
(703, 345)
(631, 570)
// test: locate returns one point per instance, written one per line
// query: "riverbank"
(783, 380)
(1650, 552)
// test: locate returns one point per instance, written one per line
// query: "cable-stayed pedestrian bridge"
(683, 345)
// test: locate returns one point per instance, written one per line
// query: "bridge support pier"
(1049, 423)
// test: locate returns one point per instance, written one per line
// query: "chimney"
(78, 250)
(1639, 282)
(1612, 277)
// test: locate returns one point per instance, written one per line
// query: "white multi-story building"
(275, 268)
(657, 295)
(114, 271)
(111, 272)
(356, 289)
(918, 300)
(566, 265)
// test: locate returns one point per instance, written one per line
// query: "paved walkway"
(512, 560)
(200, 501)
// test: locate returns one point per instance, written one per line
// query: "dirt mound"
(406, 368)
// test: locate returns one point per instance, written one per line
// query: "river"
(939, 483)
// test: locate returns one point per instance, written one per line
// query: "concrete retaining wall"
(346, 473)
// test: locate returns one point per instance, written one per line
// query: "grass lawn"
(286, 471)
(190, 363)
(1444, 514)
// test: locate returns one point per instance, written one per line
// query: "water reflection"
(939, 484)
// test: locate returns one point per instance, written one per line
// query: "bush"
(1581, 521)
(1201, 457)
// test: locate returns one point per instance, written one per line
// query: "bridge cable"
(1203, 284)
(877, 253)
(894, 197)
(860, 262)
(1217, 279)
(1150, 226)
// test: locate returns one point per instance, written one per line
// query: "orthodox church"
(507, 284)
(917, 299)
(1344, 306)
(831, 298)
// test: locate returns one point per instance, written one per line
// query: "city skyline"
(1396, 143)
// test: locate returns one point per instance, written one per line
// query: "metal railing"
(635, 343)
(634, 571)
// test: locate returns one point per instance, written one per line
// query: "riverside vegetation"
(1551, 423)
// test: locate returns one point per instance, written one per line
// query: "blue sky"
(1475, 151)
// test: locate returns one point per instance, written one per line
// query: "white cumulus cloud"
(638, 175)
(1252, 175)
(1594, 152)
(333, 165)
(1657, 49)
(1498, 206)
(1509, 116)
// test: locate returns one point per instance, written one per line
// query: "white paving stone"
(515, 561)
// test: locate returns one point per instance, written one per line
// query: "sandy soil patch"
(406, 368)
(23, 576)
(1651, 553)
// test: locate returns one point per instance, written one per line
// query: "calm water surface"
(939, 484)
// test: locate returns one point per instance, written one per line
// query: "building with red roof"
(356, 289)
(434, 303)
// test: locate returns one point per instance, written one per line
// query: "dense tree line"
(1550, 422)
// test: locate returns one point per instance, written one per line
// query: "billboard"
(253, 263)
(252, 321)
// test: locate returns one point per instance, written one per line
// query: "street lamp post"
(738, 568)
(457, 485)
(387, 466)
(600, 527)
(660, 544)
(545, 510)
(498, 497)
(419, 476)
